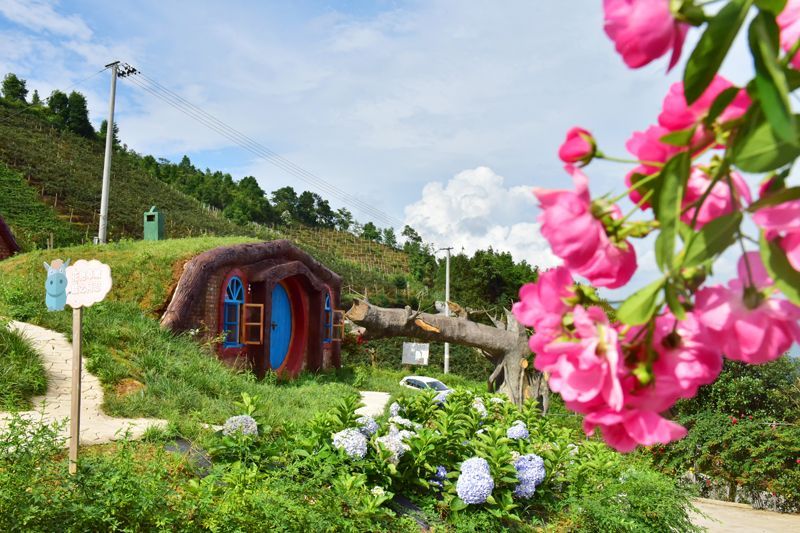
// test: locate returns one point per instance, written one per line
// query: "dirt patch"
(128, 386)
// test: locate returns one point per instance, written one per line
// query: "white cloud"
(475, 210)
(40, 16)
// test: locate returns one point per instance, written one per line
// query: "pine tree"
(102, 133)
(78, 115)
(58, 103)
(35, 99)
(14, 89)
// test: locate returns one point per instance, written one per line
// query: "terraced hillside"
(50, 181)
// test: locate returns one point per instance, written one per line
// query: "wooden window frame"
(337, 328)
(244, 325)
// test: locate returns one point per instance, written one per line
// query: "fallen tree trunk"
(506, 347)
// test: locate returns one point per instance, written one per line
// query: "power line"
(215, 124)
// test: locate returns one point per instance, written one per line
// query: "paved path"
(374, 403)
(739, 518)
(96, 427)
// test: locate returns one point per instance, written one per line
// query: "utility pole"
(102, 234)
(447, 307)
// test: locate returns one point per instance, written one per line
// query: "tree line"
(485, 278)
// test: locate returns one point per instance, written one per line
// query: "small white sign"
(88, 282)
(415, 353)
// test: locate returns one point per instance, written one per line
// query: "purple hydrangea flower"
(518, 430)
(475, 484)
(394, 409)
(531, 473)
(441, 473)
(352, 441)
(242, 424)
(367, 425)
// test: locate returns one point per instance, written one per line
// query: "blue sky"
(442, 114)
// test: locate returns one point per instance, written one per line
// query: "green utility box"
(153, 225)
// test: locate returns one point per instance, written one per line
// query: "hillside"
(50, 179)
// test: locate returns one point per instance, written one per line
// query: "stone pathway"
(96, 427)
(739, 518)
(374, 403)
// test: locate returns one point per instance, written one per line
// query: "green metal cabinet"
(153, 225)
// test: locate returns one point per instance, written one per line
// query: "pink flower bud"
(578, 147)
(789, 24)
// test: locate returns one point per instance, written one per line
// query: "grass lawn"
(22, 375)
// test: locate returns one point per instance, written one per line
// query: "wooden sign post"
(75, 399)
(80, 285)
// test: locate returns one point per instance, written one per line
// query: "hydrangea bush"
(687, 186)
(507, 461)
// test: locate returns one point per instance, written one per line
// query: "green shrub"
(22, 374)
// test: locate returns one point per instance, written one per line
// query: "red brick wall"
(5, 251)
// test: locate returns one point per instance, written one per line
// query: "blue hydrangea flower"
(475, 483)
(479, 406)
(352, 441)
(394, 442)
(441, 473)
(394, 409)
(242, 424)
(531, 473)
(518, 430)
(367, 425)
(403, 422)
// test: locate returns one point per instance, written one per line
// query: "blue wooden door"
(281, 327)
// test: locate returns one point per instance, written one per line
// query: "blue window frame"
(328, 319)
(231, 312)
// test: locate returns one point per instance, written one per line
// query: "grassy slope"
(183, 380)
(21, 373)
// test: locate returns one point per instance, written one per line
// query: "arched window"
(328, 319)
(234, 299)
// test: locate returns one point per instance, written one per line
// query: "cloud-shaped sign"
(88, 282)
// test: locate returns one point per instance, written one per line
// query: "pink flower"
(587, 368)
(677, 115)
(542, 304)
(646, 146)
(686, 359)
(789, 24)
(719, 201)
(643, 30)
(580, 239)
(578, 147)
(624, 430)
(782, 222)
(748, 325)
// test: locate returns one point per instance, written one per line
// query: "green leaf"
(758, 149)
(786, 278)
(674, 304)
(712, 48)
(711, 240)
(641, 305)
(773, 6)
(458, 504)
(770, 83)
(786, 195)
(667, 206)
(721, 102)
(679, 138)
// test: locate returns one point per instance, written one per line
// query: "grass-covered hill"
(50, 180)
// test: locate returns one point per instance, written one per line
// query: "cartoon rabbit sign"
(55, 286)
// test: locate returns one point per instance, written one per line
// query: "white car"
(425, 383)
